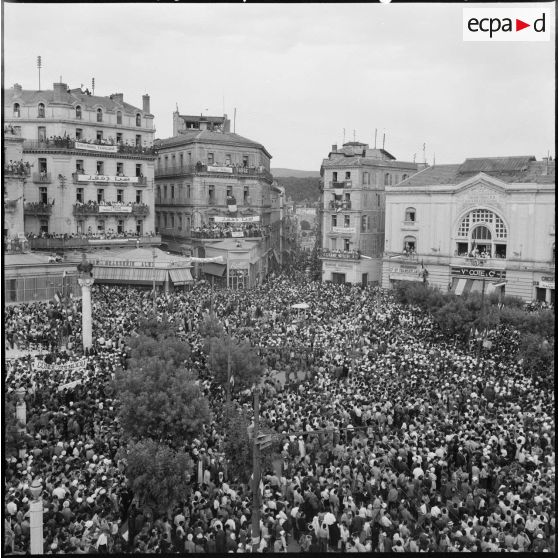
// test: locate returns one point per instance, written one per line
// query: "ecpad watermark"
(507, 24)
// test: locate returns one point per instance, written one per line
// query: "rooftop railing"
(214, 170)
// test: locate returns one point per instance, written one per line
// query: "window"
(229, 191)
(245, 160)
(99, 135)
(481, 233)
(181, 160)
(79, 133)
(181, 191)
(17, 112)
(246, 194)
(80, 224)
(334, 176)
(119, 169)
(410, 214)
(172, 220)
(334, 244)
(347, 175)
(210, 158)
(334, 220)
(100, 167)
(119, 117)
(43, 165)
(364, 223)
(100, 195)
(179, 222)
(366, 178)
(166, 161)
(173, 160)
(78, 112)
(404, 177)
(43, 223)
(120, 226)
(346, 244)
(165, 191)
(139, 196)
(41, 133)
(119, 137)
(79, 166)
(158, 193)
(43, 194)
(211, 194)
(139, 171)
(41, 111)
(165, 220)
(138, 119)
(138, 140)
(120, 195)
(410, 244)
(485, 234)
(172, 191)
(101, 226)
(139, 227)
(99, 115)
(188, 191)
(79, 195)
(386, 179)
(347, 221)
(189, 158)
(228, 159)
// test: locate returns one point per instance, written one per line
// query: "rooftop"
(513, 170)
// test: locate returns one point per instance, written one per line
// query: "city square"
(209, 353)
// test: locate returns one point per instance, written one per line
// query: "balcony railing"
(340, 254)
(18, 170)
(11, 131)
(10, 206)
(141, 180)
(213, 170)
(108, 210)
(42, 178)
(339, 205)
(38, 208)
(217, 234)
(85, 241)
(344, 184)
(57, 144)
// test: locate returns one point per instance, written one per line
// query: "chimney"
(118, 97)
(146, 107)
(334, 148)
(60, 90)
(17, 90)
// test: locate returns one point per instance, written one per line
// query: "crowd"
(216, 230)
(22, 168)
(394, 438)
(68, 142)
(109, 234)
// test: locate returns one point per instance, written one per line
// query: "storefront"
(405, 272)
(465, 280)
(544, 289)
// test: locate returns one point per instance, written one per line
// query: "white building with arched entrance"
(487, 220)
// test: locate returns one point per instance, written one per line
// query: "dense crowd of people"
(21, 167)
(393, 437)
(217, 230)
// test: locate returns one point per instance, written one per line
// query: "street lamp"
(36, 517)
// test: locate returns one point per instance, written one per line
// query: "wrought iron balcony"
(339, 205)
(108, 210)
(212, 170)
(339, 254)
(38, 208)
(67, 144)
(17, 170)
(42, 178)
(84, 241)
(344, 184)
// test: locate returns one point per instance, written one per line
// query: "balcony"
(38, 208)
(215, 234)
(86, 241)
(108, 210)
(10, 206)
(339, 254)
(67, 144)
(214, 171)
(344, 184)
(409, 225)
(117, 180)
(340, 205)
(492, 263)
(17, 170)
(42, 178)
(9, 130)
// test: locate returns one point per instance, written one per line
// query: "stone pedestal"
(86, 321)
(36, 526)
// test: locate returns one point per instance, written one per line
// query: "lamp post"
(36, 517)
(154, 253)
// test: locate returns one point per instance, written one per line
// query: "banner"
(106, 178)
(216, 259)
(69, 385)
(478, 272)
(219, 169)
(115, 208)
(237, 234)
(96, 147)
(345, 230)
(247, 219)
(75, 365)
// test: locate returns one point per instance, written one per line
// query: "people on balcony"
(123, 147)
(248, 230)
(9, 129)
(341, 254)
(21, 167)
(110, 234)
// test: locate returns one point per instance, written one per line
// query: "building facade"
(212, 184)
(91, 162)
(14, 176)
(353, 204)
(486, 223)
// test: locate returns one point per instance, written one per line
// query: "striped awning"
(459, 286)
(129, 275)
(214, 269)
(180, 276)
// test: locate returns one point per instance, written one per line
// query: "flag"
(58, 296)
(232, 380)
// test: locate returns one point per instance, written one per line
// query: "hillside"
(287, 173)
(300, 188)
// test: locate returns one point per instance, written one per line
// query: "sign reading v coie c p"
(507, 24)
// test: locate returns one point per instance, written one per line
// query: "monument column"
(86, 320)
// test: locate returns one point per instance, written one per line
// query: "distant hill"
(282, 173)
(300, 188)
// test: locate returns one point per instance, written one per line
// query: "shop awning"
(459, 286)
(476, 286)
(215, 269)
(129, 275)
(180, 276)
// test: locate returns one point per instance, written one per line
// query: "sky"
(300, 74)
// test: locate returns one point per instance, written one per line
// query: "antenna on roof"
(343, 136)
(375, 136)
(177, 107)
(434, 160)
(39, 65)
(93, 86)
(384, 141)
(234, 121)
(354, 136)
(424, 153)
(414, 157)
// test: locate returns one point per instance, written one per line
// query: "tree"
(160, 401)
(170, 349)
(538, 355)
(158, 475)
(245, 366)
(237, 446)
(210, 328)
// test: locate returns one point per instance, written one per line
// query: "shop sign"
(106, 178)
(478, 273)
(546, 282)
(219, 169)
(246, 219)
(96, 147)
(115, 208)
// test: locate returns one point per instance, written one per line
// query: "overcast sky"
(299, 74)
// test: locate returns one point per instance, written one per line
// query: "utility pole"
(229, 341)
(256, 473)
(39, 64)
(481, 315)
